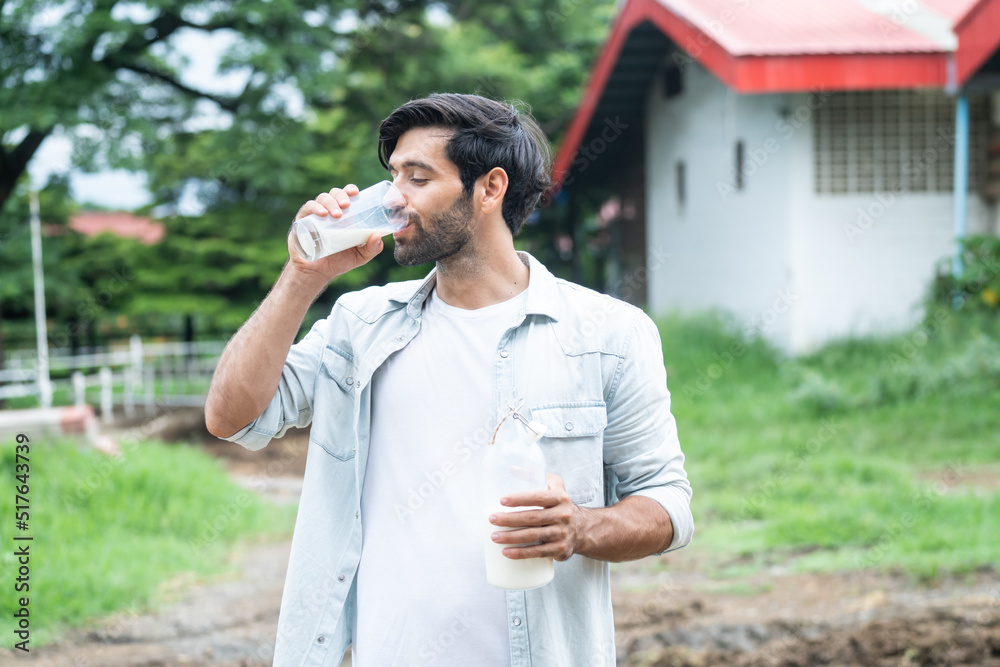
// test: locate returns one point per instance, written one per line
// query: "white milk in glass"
(329, 240)
(379, 209)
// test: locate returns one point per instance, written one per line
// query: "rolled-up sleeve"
(641, 447)
(292, 402)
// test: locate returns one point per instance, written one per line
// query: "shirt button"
(400, 338)
(517, 620)
(340, 577)
(349, 380)
(320, 639)
(503, 353)
(569, 426)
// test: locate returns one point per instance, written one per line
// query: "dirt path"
(680, 619)
(684, 619)
(230, 622)
(668, 612)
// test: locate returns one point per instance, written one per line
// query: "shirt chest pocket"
(333, 405)
(574, 446)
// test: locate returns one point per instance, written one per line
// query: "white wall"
(862, 263)
(801, 268)
(728, 249)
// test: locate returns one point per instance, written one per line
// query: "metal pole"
(41, 333)
(961, 179)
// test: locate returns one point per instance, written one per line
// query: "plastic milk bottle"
(513, 462)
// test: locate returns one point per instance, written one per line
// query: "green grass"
(109, 532)
(818, 463)
(854, 457)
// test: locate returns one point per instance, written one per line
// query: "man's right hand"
(249, 370)
(321, 271)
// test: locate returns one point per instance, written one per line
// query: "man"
(403, 385)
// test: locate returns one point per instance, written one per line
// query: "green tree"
(107, 74)
(253, 176)
(63, 285)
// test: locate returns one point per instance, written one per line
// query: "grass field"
(109, 532)
(880, 453)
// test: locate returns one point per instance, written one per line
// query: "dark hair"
(487, 134)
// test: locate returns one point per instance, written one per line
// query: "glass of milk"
(377, 209)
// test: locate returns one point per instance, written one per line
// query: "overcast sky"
(122, 189)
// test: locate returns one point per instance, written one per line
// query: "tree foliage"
(318, 79)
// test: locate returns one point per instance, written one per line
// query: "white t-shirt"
(423, 598)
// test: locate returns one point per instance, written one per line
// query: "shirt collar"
(541, 300)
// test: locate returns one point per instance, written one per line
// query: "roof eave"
(786, 73)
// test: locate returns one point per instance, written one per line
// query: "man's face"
(440, 219)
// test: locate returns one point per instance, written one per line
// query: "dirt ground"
(667, 612)
(792, 620)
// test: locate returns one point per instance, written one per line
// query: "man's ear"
(493, 186)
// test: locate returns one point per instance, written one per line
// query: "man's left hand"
(557, 527)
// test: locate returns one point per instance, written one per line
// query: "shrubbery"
(978, 288)
(953, 353)
(872, 453)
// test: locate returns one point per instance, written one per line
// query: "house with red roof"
(119, 223)
(806, 166)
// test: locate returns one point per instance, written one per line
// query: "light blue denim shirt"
(588, 366)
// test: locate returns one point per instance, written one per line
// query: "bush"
(883, 460)
(710, 350)
(818, 395)
(978, 288)
(972, 369)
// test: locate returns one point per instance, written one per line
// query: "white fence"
(138, 375)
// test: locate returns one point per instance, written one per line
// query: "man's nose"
(395, 199)
(400, 184)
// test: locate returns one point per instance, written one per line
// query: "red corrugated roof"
(764, 46)
(782, 27)
(122, 224)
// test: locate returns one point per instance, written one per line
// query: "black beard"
(450, 233)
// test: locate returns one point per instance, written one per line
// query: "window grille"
(894, 140)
